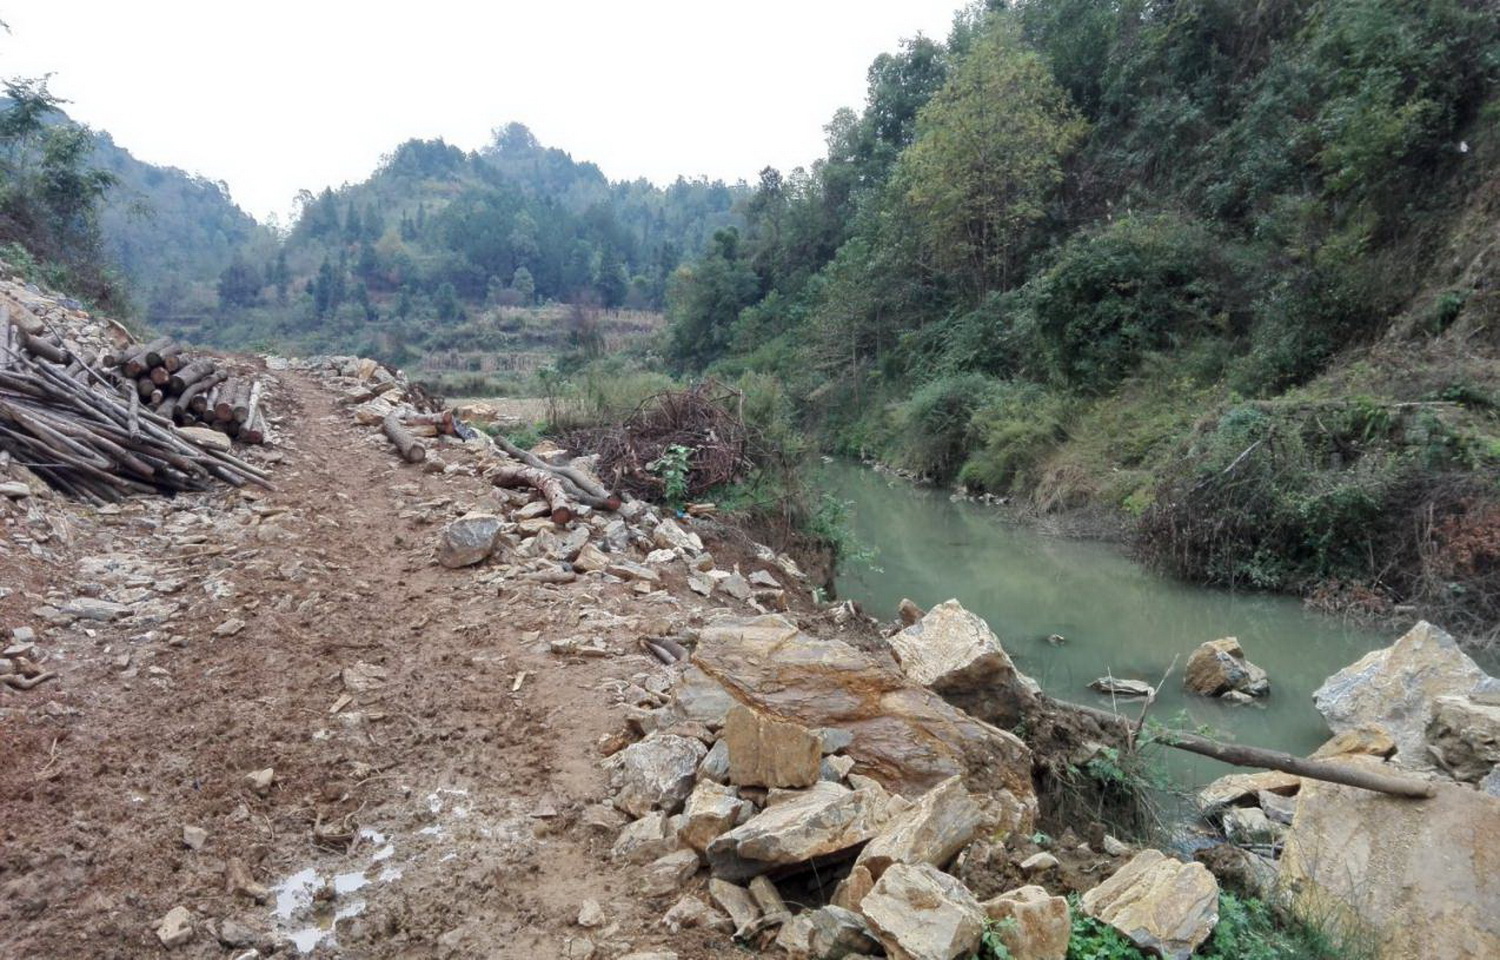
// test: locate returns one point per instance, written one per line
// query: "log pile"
(190, 393)
(75, 418)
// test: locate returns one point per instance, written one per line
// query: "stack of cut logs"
(192, 392)
(65, 419)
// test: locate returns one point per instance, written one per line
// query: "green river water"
(1117, 616)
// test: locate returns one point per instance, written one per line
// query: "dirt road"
(433, 762)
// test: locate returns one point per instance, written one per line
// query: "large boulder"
(837, 933)
(1395, 688)
(1033, 924)
(1424, 873)
(932, 831)
(903, 736)
(1164, 906)
(656, 773)
(765, 752)
(956, 654)
(920, 913)
(826, 819)
(469, 540)
(1219, 667)
(1464, 737)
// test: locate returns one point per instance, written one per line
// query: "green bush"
(1138, 285)
(933, 427)
(1018, 426)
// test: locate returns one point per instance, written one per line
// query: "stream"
(1117, 616)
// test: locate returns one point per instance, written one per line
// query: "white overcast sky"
(274, 96)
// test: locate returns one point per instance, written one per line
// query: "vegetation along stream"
(1116, 616)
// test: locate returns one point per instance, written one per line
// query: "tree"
(704, 301)
(239, 284)
(524, 286)
(988, 154)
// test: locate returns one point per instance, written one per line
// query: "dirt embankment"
(435, 765)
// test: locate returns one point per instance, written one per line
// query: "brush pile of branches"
(697, 434)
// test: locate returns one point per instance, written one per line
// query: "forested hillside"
(406, 262)
(1228, 268)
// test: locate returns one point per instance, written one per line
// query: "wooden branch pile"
(62, 418)
(704, 419)
(191, 392)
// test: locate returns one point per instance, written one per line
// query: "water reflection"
(1116, 616)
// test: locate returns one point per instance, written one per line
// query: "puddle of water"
(349, 882)
(295, 893)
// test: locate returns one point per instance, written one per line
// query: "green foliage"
(977, 177)
(992, 940)
(1248, 929)
(1139, 285)
(673, 466)
(934, 425)
(1093, 940)
(1017, 425)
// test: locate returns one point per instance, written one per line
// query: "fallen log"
(1242, 756)
(577, 478)
(412, 450)
(547, 483)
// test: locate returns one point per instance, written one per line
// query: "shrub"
(1015, 430)
(933, 427)
(1140, 284)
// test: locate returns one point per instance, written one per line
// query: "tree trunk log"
(412, 450)
(549, 484)
(1241, 756)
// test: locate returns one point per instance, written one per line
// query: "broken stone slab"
(628, 570)
(690, 912)
(764, 752)
(903, 736)
(590, 914)
(1237, 787)
(919, 912)
(837, 933)
(1372, 740)
(1164, 906)
(851, 891)
(1395, 687)
(655, 773)
(825, 819)
(715, 765)
(955, 653)
(1033, 924)
(590, 559)
(1421, 873)
(1219, 667)
(1249, 825)
(737, 587)
(1464, 737)
(735, 901)
(260, 781)
(649, 838)
(194, 837)
(932, 831)
(469, 540)
(669, 873)
(176, 928)
(1120, 687)
(668, 535)
(93, 608)
(711, 811)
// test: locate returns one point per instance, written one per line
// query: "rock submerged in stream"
(1218, 668)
